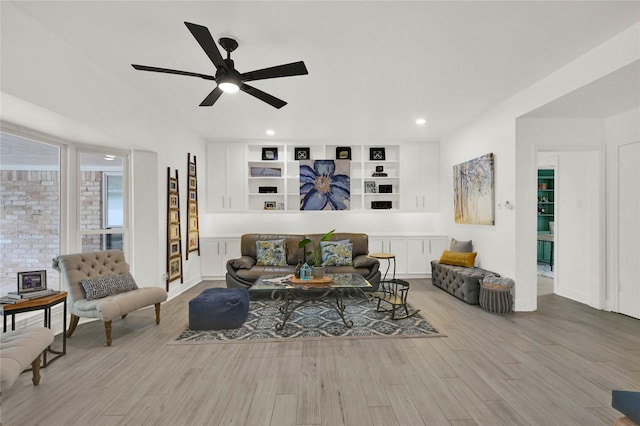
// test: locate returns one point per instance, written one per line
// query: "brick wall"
(29, 222)
(91, 209)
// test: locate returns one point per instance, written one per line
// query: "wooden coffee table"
(296, 293)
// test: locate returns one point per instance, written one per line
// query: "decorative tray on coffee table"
(315, 282)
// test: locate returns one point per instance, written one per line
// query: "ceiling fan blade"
(204, 38)
(287, 70)
(271, 100)
(212, 97)
(168, 71)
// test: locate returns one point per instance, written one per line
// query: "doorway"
(578, 250)
(546, 221)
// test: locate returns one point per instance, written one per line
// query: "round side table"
(388, 257)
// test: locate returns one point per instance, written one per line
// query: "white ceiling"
(374, 67)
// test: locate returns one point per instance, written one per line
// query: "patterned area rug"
(314, 321)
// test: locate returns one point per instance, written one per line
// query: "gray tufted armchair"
(75, 268)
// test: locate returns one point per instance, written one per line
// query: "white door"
(629, 230)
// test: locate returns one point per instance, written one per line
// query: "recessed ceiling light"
(421, 121)
(270, 132)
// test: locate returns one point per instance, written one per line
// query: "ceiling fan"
(227, 78)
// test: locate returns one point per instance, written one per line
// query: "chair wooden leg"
(72, 325)
(107, 330)
(35, 368)
(157, 313)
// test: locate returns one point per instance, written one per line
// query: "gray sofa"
(243, 271)
(460, 281)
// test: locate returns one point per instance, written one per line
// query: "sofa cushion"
(108, 285)
(271, 253)
(337, 253)
(18, 349)
(458, 259)
(294, 253)
(364, 261)
(461, 246)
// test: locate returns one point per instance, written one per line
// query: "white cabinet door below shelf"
(215, 254)
(397, 246)
(422, 251)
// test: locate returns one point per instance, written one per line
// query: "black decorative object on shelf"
(376, 154)
(381, 205)
(385, 189)
(302, 154)
(343, 153)
(268, 189)
(270, 153)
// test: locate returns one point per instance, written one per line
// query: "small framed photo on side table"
(32, 281)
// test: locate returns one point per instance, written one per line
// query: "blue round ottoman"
(219, 308)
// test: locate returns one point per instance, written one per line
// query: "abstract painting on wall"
(473, 191)
(325, 185)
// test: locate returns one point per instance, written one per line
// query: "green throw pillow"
(271, 253)
(337, 253)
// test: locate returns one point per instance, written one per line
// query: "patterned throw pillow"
(458, 259)
(337, 253)
(271, 253)
(108, 285)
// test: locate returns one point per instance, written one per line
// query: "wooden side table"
(388, 257)
(45, 304)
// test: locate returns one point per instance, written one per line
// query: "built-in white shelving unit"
(265, 177)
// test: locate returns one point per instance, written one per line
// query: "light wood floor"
(556, 366)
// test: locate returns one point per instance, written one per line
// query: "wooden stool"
(388, 257)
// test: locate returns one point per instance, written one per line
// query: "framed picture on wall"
(173, 201)
(175, 268)
(174, 248)
(173, 185)
(174, 232)
(193, 240)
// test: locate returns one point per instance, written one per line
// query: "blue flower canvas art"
(325, 185)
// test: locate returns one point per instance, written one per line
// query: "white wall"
(620, 130)
(509, 246)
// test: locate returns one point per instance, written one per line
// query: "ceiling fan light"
(228, 87)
